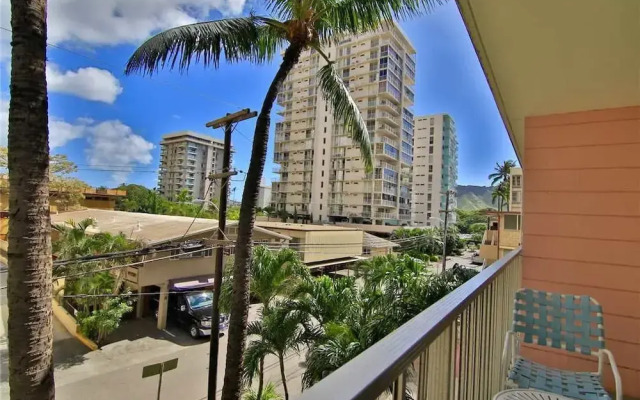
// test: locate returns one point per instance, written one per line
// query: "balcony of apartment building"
(387, 130)
(386, 151)
(565, 81)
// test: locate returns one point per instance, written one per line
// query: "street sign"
(159, 369)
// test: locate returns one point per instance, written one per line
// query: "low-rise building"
(503, 234)
(321, 246)
(181, 251)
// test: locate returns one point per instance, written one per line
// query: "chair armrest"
(509, 352)
(614, 369)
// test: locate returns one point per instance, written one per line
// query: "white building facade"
(186, 160)
(435, 169)
(321, 170)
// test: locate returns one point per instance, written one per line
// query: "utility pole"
(214, 341)
(446, 223)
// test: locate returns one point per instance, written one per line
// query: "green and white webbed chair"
(561, 321)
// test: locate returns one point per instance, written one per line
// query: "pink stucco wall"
(582, 223)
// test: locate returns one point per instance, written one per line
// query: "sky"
(110, 124)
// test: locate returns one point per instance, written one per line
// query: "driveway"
(116, 369)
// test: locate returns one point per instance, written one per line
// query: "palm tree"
(501, 194)
(280, 331)
(273, 273)
(502, 172)
(325, 299)
(297, 25)
(29, 281)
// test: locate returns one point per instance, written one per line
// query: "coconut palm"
(502, 172)
(295, 26)
(500, 195)
(29, 282)
(279, 332)
(325, 299)
(273, 274)
(269, 393)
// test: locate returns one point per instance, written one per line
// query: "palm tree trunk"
(30, 277)
(260, 379)
(240, 301)
(283, 377)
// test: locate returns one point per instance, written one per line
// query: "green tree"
(500, 195)
(29, 283)
(65, 191)
(184, 197)
(478, 227)
(272, 274)
(280, 331)
(502, 172)
(325, 299)
(297, 26)
(269, 393)
(466, 218)
(418, 241)
(102, 321)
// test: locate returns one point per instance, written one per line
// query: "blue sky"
(110, 124)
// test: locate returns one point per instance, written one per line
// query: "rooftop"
(302, 227)
(149, 228)
(194, 135)
(375, 242)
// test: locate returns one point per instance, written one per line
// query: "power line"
(199, 210)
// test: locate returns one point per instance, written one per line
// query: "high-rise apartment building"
(321, 171)
(186, 160)
(435, 169)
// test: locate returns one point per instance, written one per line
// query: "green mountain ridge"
(471, 197)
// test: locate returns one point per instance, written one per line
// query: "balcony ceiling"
(556, 56)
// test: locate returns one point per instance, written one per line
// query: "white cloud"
(88, 83)
(110, 22)
(112, 143)
(60, 132)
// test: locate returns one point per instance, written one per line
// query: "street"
(115, 371)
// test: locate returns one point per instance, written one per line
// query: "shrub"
(434, 258)
(99, 323)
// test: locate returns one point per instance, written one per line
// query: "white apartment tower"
(321, 171)
(435, 169)
(186, 160)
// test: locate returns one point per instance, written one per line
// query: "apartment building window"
(322, 183)
(515, 197)
(430, 168)
(430, 149)
(320, 206)
(517, 181)
(430, 178)
(428, 206)
(321, 196)
(429, 197)
(431, 131)
(431, 121)
(512, 222)
(324, 141)
(431, 140)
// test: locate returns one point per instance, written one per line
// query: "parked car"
(191, 310)
(476, 259)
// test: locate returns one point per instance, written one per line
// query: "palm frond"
(252, 38)
(346, 110)
(357, 16)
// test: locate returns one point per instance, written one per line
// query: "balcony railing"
(450, 350)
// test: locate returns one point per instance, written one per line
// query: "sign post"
(158, 369)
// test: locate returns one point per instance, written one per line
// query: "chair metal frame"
(548, 335)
